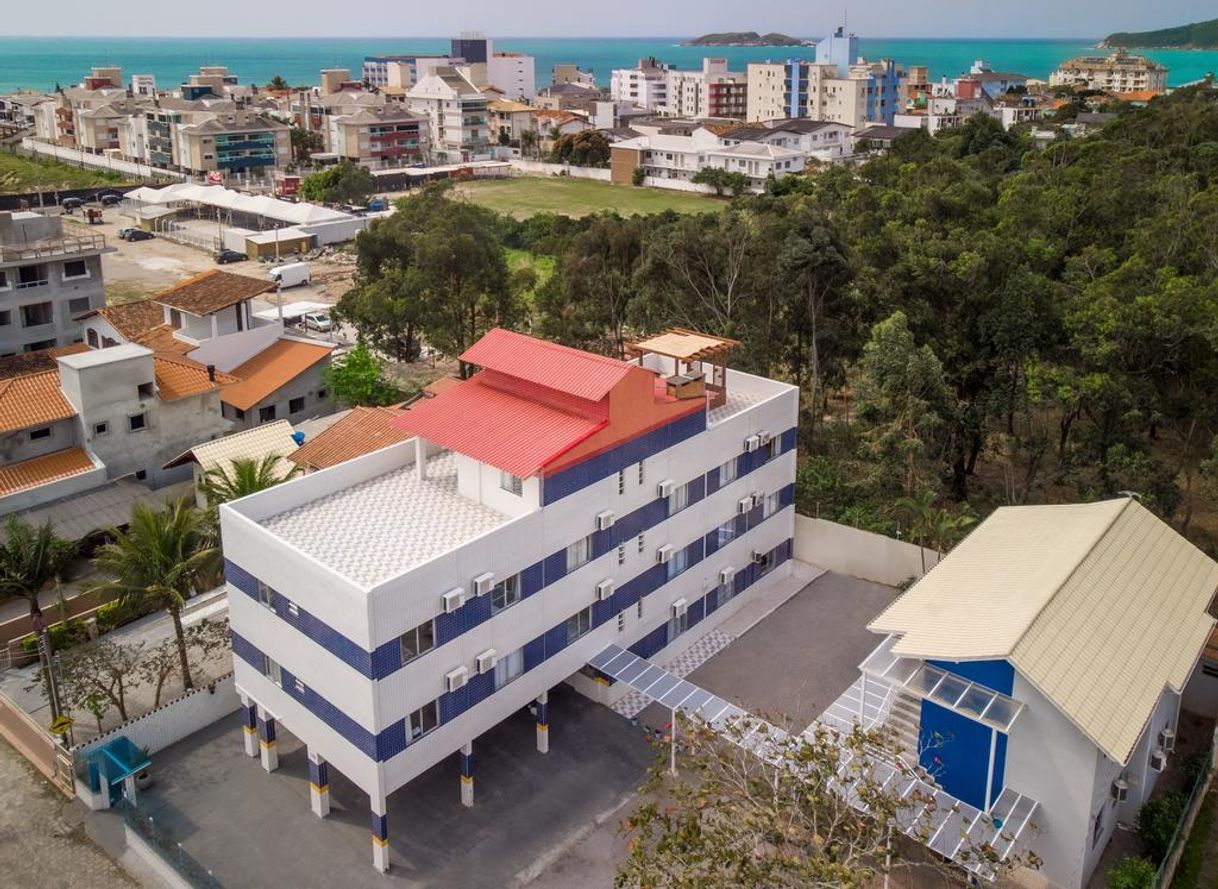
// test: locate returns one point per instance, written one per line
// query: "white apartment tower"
(390, 610)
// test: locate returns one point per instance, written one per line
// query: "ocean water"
(42, 62)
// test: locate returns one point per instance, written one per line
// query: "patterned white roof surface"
(384, 526)
(1101, 606)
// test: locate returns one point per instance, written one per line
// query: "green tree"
(588, 148)
(1133, 873)
(277, 83)
(244, 476)
(528, 142)
(343, 183)
(161, 558)
(937, 527)
(358, 379)
(386, 312)
(304, 143)
(31, 556)
(722, 180)
(904, 397)
(638, 176)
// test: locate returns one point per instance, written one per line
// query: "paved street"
(42, 840)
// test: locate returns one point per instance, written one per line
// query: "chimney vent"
(211, 372)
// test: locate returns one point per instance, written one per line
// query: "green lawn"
(22, 175)
(529, 195)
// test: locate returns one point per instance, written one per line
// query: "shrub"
(1157, 824)
(115, 614)
(1132, 873)
(638, 176)
(63, 635)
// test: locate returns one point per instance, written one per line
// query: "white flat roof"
(388, 524)
(292, 310)
(95, 357)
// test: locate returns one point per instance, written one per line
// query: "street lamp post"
(44, 658)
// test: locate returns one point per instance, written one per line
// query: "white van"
(290, 275)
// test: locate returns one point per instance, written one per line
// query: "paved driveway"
(254, 829)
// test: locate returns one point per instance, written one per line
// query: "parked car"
(290, 275)
(138, 234)
(71, 203)
(318, 321)
(110, 199)
(225, 256)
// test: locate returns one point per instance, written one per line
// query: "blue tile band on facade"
(249, 718)
(392, 740)
(467, 765)
(319, 774)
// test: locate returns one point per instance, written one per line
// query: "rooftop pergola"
(689, 351)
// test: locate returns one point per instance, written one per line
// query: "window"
(638, 609)
(621, 481)
(579, 552)
(78, 305)
(36, 314)
(505, 594)
(136, 422)
(296, 405)
(641, 473)
(91, 336)
(621, 554)
(271, 671)
(144, 391)
(579, 624)
(678, 563)
(1098, 833)
(175, 319)
(266, 595)
(513, 484)
(101, 428)
(141, 475)
(726, 532)
(418, 641)
(773, 448)
(36, 434)
(765, 562)
(642, 543)
(3, 280)
(322, 394)
(509, 667)
(621, 621)
(771, 505)
(727, 472)
(266, 414)
(76, 268)
(238, 413)
(424, 720)
(678, 499)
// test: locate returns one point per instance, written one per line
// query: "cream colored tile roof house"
(1047, 656)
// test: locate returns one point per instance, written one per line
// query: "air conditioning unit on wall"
(1158, 759)
(486, 660)
(455, 679)
(727, 575)
(664, 553)
(604, 590)
(665, 488)
(1120, 790)
(483, 583)
(745, 504)
(1167, 740)
(679, 607)
(605, 520)
(453, 600)
(752, 443)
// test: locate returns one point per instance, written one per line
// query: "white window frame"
(728, 472)
(509, 668)
(416, 632)
(507, 591)
(678, 499)
(271, 670)
(678, 564)
(266, 595)
(579, 553)
(418, 717)
(513, 484)
(581, 622)
(770, 505)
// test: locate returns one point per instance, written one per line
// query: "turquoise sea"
(42, 62)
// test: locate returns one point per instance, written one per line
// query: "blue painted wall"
(954, 748)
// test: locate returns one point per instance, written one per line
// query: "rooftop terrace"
(388, 524)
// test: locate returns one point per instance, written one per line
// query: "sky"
(563, 18)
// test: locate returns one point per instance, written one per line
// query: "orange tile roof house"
(209, 319)
(73, 420)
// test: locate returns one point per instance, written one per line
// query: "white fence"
(175, 720)
(860, 553)
(541, 168)
(99, 161)
(679, 185)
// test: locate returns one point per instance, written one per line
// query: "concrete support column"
(129, 789)
(380, 833)
(467, 774)
(420, 458)
(543, 723)
(266, 740)
(249, 725)
(319, 785)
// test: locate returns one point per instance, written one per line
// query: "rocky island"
(1199, 35)
(745, 38)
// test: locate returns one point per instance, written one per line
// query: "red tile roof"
(570, 371)
(275, 366)
(362, 431)
(516, 434)
(37, 471)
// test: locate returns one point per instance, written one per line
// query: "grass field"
(22, 175)
(529, 195)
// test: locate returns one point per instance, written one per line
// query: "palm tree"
(30, 557)
(244, 476)
(935, 526)
(160, 559)
(528, 141)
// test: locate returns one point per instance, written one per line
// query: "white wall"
(541, 168)
(859, 553)
(99, 161)
(174, 720)
(1201, 692)
(232, 350)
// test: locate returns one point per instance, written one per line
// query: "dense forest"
(1198, 35)
(973, 322)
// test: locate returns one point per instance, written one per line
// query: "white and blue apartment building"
(389, 610)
